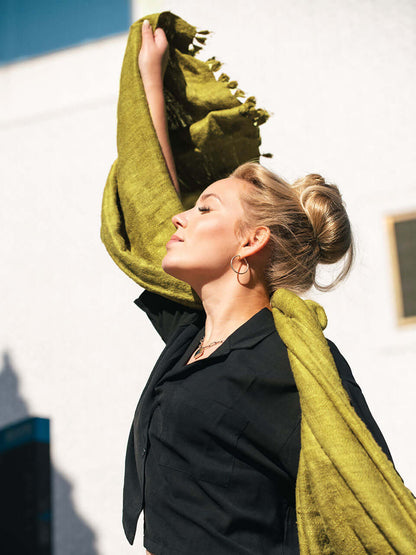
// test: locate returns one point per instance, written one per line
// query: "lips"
(174, 239)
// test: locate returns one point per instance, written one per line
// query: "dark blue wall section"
(33, 27)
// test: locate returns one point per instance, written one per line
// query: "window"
(29, 28)
(402, 235)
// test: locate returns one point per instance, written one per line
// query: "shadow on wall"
(71, 534)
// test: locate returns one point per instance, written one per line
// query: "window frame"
(391, 220)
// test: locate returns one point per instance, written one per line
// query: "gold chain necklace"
(200, 349)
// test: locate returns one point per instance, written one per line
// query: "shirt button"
(144, 451)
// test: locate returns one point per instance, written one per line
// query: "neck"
(233, 306)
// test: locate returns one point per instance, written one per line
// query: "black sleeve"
(167, 315)
(357, 398)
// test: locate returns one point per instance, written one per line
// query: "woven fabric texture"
(211, 131)
(349, 497)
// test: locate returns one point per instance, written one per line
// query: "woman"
(214, 447)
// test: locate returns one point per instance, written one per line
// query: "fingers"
(147, 32)
(158, 36)
(154, 52)
(160, 39)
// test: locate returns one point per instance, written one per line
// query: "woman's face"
(205, 240)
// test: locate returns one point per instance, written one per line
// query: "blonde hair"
(308, 223)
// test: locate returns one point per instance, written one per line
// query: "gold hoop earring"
(245, 262)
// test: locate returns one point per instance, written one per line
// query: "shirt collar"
(254, 330)
(259, 326)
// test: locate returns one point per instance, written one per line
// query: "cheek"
(218, 238)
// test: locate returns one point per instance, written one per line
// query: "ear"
(254, 241)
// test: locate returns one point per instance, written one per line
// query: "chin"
(169, 267)
(177, 270)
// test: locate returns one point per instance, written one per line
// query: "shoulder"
(342, 365)
(357, 398)
(347, 378)
(167, 315)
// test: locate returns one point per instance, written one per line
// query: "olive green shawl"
(349, 498)
(211, 132)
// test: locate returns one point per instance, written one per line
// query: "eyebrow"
(206, 195)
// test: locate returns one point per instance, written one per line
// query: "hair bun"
(324, 207)
(308, 225)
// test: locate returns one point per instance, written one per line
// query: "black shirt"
(221, 440)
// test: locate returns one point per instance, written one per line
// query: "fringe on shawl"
(211, 131)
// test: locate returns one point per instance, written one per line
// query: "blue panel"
(33, 27)
(25, 431)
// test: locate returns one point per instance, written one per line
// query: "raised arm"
(139, 189)
(153, 59)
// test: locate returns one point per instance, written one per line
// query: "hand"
(153, 55)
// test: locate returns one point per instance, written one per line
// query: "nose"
(179, 220)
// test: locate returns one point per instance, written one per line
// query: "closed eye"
(203, 208)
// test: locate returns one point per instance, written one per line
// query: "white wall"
(340, 80)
